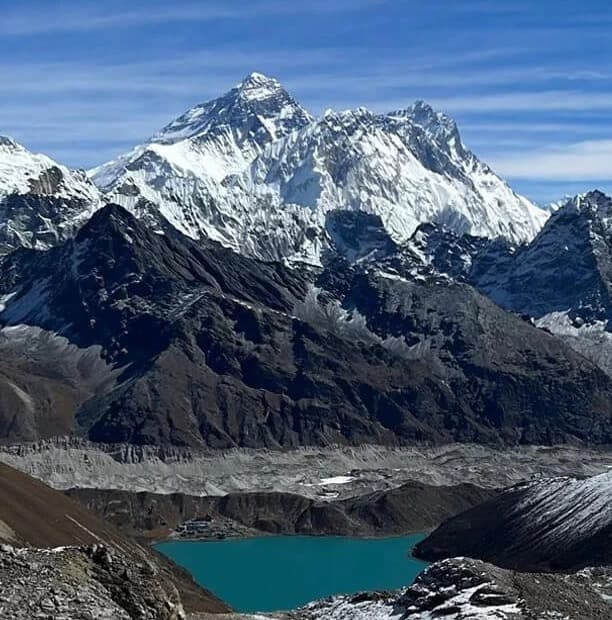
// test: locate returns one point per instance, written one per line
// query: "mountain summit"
(214, 139)
(255, 171)
(257, 110)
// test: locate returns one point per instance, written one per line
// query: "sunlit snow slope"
(255, 171)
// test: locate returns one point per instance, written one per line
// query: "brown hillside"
(33, 514)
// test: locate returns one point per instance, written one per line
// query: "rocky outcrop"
(460, 588)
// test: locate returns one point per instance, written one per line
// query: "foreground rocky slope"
(463, 589)
(254, 354)
(553, 524)
(60, 558)
(82, 582)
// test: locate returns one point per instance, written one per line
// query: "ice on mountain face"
(22, 172)
(41, 201)
(4, 299)
(253, 170)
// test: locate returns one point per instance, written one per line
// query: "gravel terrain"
(326, 473)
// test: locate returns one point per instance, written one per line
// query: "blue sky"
(530, 83)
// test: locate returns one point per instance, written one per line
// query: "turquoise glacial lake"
(275, 573)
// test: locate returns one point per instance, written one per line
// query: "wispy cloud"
(527, 101)
(304, 77)
(584, 161)
(91, 16)
(523, 127)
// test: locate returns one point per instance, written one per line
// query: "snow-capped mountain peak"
(23, 172)
(41, 201)
(257, 86)
(255, 171)
(259, 109)
(6, 142)
(209, 142)
(594, 202)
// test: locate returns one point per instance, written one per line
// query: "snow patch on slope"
(563, 509)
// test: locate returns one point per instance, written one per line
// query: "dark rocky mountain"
(413, 507)
(568, 266)
(196, 345)
(561, 280)
(55, 551)
(552, 524)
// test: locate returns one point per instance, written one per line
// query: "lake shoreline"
(264, 534)
(410, 508)
(271, 574)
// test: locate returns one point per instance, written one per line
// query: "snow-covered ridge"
(41, 201)
(22, 172)
(564, 510)
(255, 171)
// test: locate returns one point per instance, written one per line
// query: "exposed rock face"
(553, 524)
(562, 279)
(219, 350)
(44, 379)
(413, 507)
(82, 582)
(566, 268)
(462, 589)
